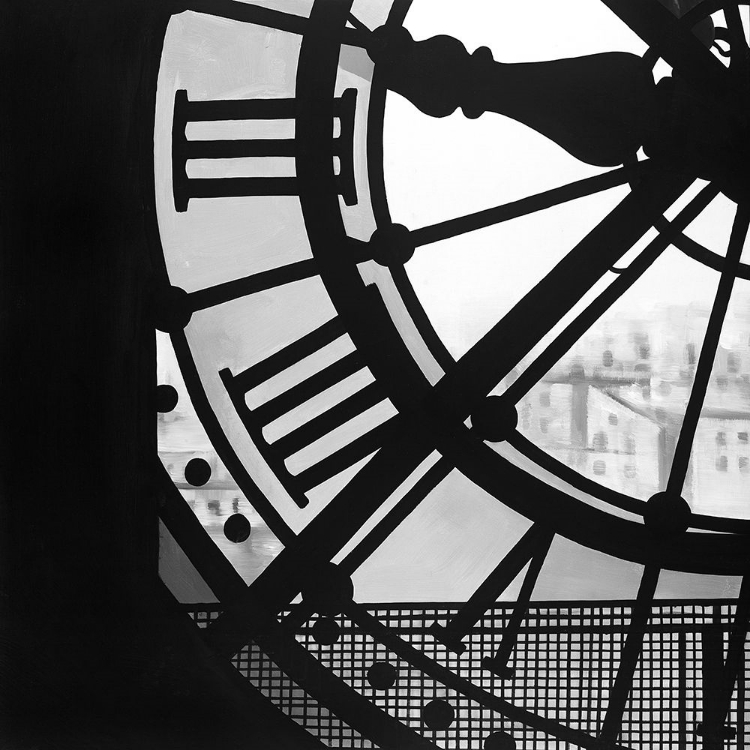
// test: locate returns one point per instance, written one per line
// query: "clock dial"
(358, 436)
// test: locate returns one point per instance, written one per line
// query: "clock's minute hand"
(600, 108)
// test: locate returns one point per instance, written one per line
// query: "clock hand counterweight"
(600, 108)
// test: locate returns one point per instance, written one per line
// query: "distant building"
(612, 408)
(589, 430)
(624, 447)
(624, 437)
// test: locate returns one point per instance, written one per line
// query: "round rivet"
(172, 309)
(392, 245)
(166, 398)
(499, 741)
(382, 675)
(326, 631)
(237, 528)
(438, 714)
(197, 472)
(667, 514)
(328, 590)
(387, 45)
(495, 420)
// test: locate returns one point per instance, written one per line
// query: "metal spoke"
(626, 278)
(533, 544)
(529, 205)
(708, 350)
(324, 536)
(396, 515)
(236, 10)
(631, 652)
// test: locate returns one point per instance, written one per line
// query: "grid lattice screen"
(564, 663)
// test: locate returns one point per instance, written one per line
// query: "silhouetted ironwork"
(565, 666)
(602, 109)
(708, 350)
(533, 545)
(186, 111)
(627, 277)
(338, 413)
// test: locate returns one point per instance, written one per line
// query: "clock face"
(453, 345)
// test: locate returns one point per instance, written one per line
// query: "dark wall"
(77, 360)
(92, 653)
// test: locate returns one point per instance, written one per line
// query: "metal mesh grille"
(294, 701)
(565, 663)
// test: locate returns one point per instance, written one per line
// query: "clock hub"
(710, 136)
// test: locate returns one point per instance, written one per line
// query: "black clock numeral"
(185, 111)
(532, 546)
(277, 452)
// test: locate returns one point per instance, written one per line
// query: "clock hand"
(599, 108)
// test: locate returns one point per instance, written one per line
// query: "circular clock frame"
(428, 413)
